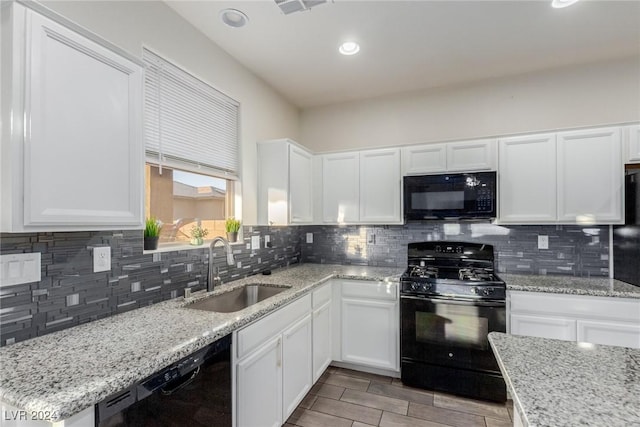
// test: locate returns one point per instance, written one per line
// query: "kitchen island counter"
(561, 383)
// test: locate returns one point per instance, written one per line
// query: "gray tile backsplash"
(573, 250)
(70, 293)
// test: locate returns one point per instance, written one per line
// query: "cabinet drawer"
(623, 309)
(255, 334)
(321, 295)
(370, 290)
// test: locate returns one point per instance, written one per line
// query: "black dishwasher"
(195, 391)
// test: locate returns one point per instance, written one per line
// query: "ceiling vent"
(290, 6)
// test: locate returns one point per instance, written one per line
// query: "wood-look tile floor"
(346, 398)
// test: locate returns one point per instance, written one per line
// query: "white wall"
(134, 24)
(595, 94)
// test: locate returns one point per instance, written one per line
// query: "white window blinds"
(187, 122)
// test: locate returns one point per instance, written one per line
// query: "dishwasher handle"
(181, 384)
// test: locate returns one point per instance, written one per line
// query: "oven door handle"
(455, 301)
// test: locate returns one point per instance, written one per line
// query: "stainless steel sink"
(238, 299)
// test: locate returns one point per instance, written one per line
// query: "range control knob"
(474, 290)
(415, 286)
(487, 291)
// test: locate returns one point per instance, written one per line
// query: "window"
(191, 144)
(183, 199)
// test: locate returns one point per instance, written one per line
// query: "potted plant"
(232, 226)
(198, 234)
(152, 229)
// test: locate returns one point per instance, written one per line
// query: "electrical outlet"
(543, 242)
(267, 241)
(309, 237)
(255, 242)
(101, 258)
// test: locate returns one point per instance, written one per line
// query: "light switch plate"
(543, 242)
(255, 242)
(101, 258)
(19, 268)
(309, 237)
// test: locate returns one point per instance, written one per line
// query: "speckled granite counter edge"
(594, 286)
(517, 405)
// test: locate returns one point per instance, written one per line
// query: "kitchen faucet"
(215, 280)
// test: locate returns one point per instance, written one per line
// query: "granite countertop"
(68, 371)
(594, 286)
(563, 383)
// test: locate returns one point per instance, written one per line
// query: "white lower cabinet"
(259, 386)
(543, 327)
(592, 319)
(322, 332)
(370, 324)
(273, 366)
(296, 365)
(609, 333)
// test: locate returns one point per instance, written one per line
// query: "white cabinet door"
(297, 364)
(424, 159)
(340, 188)
(609, 333)
(471, 155)
(285, 183)
(369, 333)
(83, 158)
(527, 179)
(590, 176)
(633, 144)
(300, 185)
(259, 386)
(543, 326)
(380, 183)
(321, 339)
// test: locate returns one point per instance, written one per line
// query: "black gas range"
(452, 269)
(450, 299)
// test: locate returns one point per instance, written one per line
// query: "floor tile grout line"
(458, 411)
(362, 406)
(337, 416)
(325, 413)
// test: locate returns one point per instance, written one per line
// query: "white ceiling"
(411, 45)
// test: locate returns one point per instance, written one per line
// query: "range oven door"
(450, 332)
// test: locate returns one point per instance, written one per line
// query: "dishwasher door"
(195, 391)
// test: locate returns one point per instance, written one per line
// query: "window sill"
(173, 247)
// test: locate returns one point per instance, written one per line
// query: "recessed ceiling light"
(233, 18)
(349, 48)
(558, 4)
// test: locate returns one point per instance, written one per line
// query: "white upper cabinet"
(632, 144)
(566, 178)
(471, 155)
(285, 183)
(361, 187)
(463, 156)
(340, 188)
(424, 159)
(527, 178)
(80, 165)
(590, 176)
(300, 185)
(380, 184)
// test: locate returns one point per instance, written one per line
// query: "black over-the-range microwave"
(450, 196)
